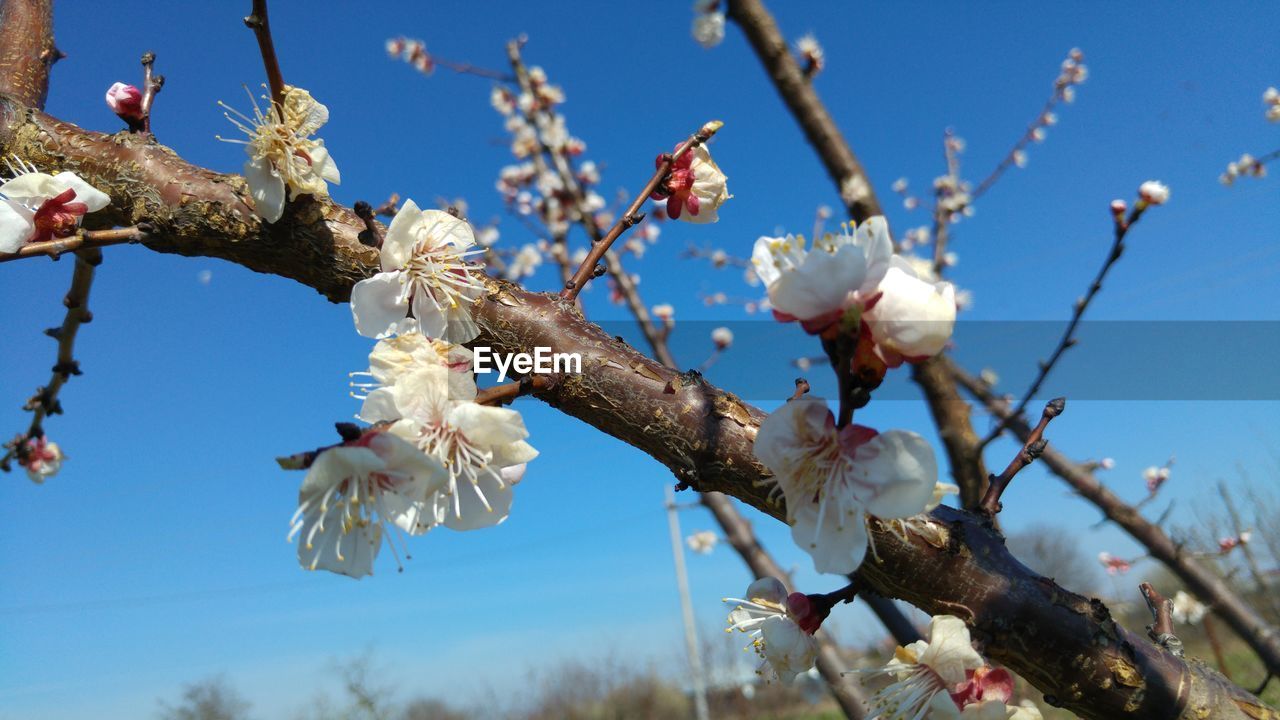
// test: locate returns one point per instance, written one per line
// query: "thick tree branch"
(1065, 644)
(27, 51)
(1260, 635)
(950, 412)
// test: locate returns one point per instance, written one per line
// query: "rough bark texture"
(1261, 636)
(1064, 643)
(949, 410)
(26, 49)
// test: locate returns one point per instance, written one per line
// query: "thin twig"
(45, 401)
(1027, 454)
(633, 215)
(1162, 611)
(151, 84)
(83, 240)
(1068, 339)
(372, 234)
(507, 392)
(258, 22)
(622, 279)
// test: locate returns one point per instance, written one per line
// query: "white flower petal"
(838, 545)
(16, 226)
(91, 196)
(346, 552)
(950, 653)
(376, 305)
(789, 650)
(400, 240)
(266, 187)
(473, 514)
(767, 590)
(902, 472)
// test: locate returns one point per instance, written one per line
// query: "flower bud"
(125, 101)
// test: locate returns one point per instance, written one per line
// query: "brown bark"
(1067, 645)
(950, 412)
(1261, 636)
(26, 50)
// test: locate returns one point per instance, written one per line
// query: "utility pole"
(686, 605)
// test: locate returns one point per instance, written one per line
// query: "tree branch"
(82, 240)
(27, 51)
(1065, 644)
(258, 22)
(1260, 635)
(45, 401)
(1068, 339)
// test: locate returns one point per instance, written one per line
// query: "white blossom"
(482, 449)
(840, 271)
(708, 24)
(1188, 610)
(355, 495)
(832, 478)
(525, 263)
(695, 187)
(393, 358)
(924, 672)
(283, 159)
(425, 283)
(914, 315)
(775, 635)
(722, 337)
(35, 207)
(1154, 192)
(42, 459)
(702, 542)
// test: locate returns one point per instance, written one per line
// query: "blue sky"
(158, 557)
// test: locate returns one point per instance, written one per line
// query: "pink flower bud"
(125, 101)
(807, 614)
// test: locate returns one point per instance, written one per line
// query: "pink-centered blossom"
(695, 187)
(358, 494)
(781, 627)
(42, 459)
(1113, 564)
(36, 207)
(833, 478)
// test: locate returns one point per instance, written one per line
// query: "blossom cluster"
(835, 477)
(432, 456)
(413, 52)
(555, 185)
